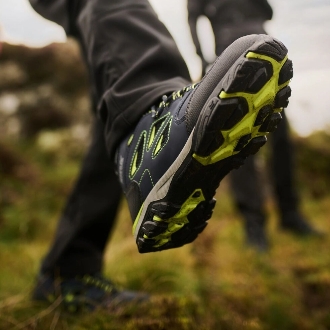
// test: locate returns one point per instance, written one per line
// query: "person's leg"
(73, 265)
(210, 128)
(249, 198)
(88, 217)
(138, 70)
(132, 58)
(283, 169)
(90, 212)
(245, 184)
(227, 33)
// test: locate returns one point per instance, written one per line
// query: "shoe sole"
(233, 124)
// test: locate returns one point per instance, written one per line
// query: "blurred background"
(303, 26)
(224, 285)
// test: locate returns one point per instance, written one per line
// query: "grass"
(214, 283)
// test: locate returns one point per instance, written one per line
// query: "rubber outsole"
(231, 126)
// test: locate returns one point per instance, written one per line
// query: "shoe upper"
(295, 222)
(86, 292)
(147, 152)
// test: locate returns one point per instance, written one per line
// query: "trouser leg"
(284, 181)
(88, 217)
(249, 198)
(225, 34)
(248, 193)
(282, 166)
(246, 184)
(133, 60)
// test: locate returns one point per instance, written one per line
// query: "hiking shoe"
(255, 231)
(171, 164)
(295, 223)
(84, 293)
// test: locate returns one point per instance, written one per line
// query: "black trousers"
(132, 61)
(247, 188)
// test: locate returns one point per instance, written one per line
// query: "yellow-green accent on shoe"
(266, 95)
(152, 136)
(137, 220)
(130, 140)
(159, 146)
(134, 167)
(176, 222)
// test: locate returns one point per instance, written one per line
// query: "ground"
(214, 283)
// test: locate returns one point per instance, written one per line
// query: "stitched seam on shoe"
(134, 153)
(168, 123)
(146, 170)
(164, 119)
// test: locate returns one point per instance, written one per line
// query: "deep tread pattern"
(253, 146)
(197, 222)
(231, 126)
(275, 49)
(220, 114)
(211, 141)
(242, 142)
(270, 123)
(282, 97)
(286, 72)
(263, 113)
(251, 76)
(163, 209)
(237, 114)
(154, 228)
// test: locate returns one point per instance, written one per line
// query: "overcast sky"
(304, 26)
